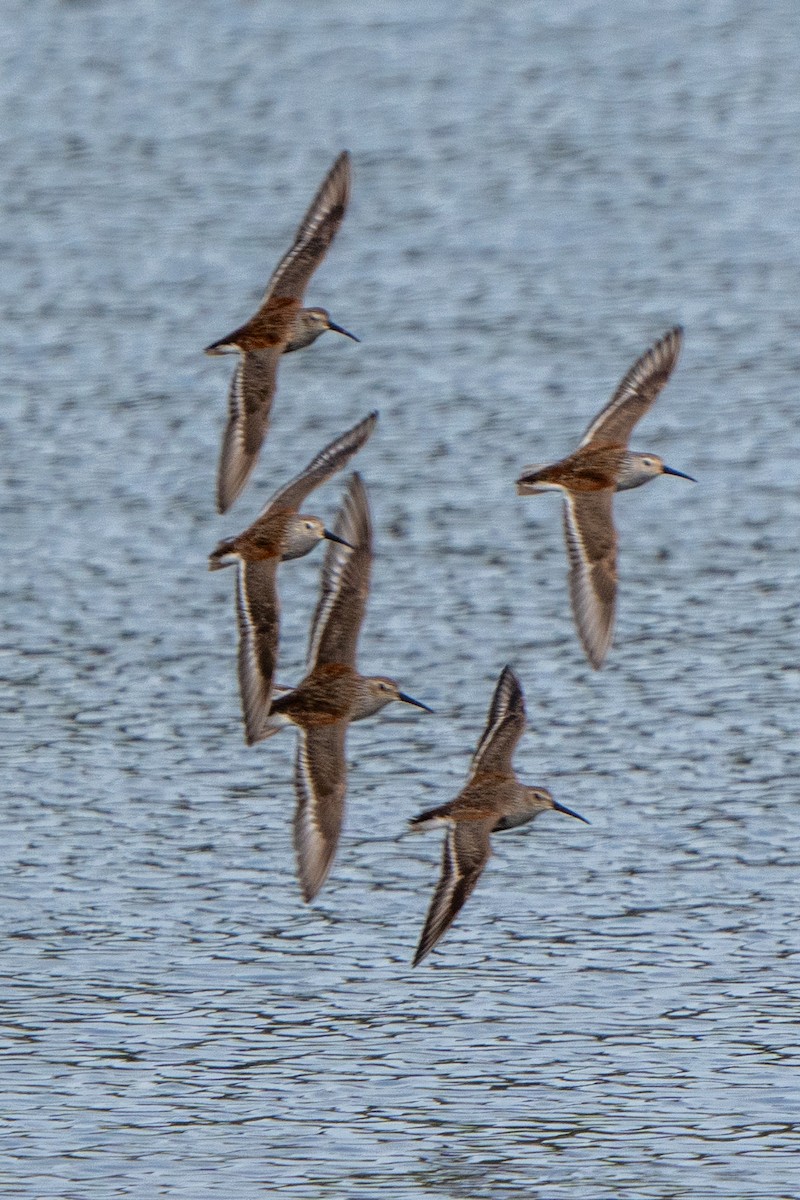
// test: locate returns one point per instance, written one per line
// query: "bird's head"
(541, 801)
(379, 691)
(641, 468)
(318, 320)
(302, 534)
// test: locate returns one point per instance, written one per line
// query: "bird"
(588, 478)
(492, 800)
(332, 693)
(279, 533)
(279, 326)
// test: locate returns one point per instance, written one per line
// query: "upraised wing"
(345, 583)
(504, 726)
(636, 393)
(316, 232)
(333, 458)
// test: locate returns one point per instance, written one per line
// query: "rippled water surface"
(540, 191)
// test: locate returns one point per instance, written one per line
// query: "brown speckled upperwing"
(249, 403)
(258, 615)
(466, 851)
(592, 548)
(636, 393)
(345, 583)
(272, 325)
(587, 469)
(333, 458)
(320, 783)
(314, 235)
(504, 726)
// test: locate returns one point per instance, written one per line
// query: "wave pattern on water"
(539, 194)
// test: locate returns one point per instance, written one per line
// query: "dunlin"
(280, 326)
(333, 693)
(588, 478)
(493, 800)
(279, 533)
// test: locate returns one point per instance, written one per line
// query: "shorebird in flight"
(588, 478)
(333, 693)
(279, 533)
(280, 325)
(493, 800)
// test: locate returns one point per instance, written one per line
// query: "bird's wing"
(592, 550)
(333, 458)
(258, 614)
(504, 726)
(320, 782)
(635, 394)
(345, 583)
(249, 403)
(314, 235)
(466, 852)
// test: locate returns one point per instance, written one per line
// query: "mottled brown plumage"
(589, 469)
(272, 325)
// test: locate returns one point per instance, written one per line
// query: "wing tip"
(231, 478)
(509, 678)
(671, 342)
(595, 647)
(420, 953)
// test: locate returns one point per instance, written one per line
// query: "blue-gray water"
(540, 191)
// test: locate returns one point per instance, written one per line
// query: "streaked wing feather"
(592, 549)
(504, 726)
(258, 615)
(333, 458)
(333, 192)
(466, 851)
(636, 392)
(345, 583)
(249, 403)
(314, 235)
(320, 783)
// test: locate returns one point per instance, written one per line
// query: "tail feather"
(223, 556)
(223, 346)
(431, 818)
(528, 478)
